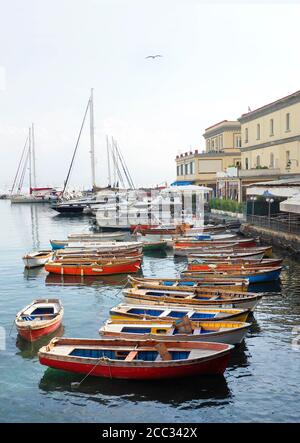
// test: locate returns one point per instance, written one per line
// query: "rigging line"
(108, 161)
(19, 166)
(23, 172)
(123, 167)
(131, 184)
(75, 150)
(116, 163)
(118, 156)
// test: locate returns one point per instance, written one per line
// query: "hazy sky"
(218, 59)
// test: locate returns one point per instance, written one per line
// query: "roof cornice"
(271, 107)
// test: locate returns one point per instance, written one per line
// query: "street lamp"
(270, 201)
(253, 198)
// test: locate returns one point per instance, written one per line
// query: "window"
(217, 143)
(246, 163)
(212, 145)
(221, 141)
(186, 169)
(271, 127)
(192, 168)
(237, 141)
(181, 169)
(258, 161)
(271, 160)
(208, 145)
(287, 122)
(178, 170)
(258, 131)
(246, 135)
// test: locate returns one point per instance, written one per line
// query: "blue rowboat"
(260, 275)
(264, 275)
(55, 244)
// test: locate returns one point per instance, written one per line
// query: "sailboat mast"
(92, 139)
(108, 161)
(30, 160)
(33, 156)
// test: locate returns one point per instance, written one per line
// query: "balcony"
(256, 173)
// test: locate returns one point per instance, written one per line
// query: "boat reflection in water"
(30, 349)
(192, 392)
(239, 357)
(77, 280)
(268, 288)
(33, 273)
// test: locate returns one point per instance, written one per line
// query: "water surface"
(260, 384)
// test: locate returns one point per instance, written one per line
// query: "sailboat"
(36, 194)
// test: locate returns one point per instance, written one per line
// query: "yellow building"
(271, 137)
(222, 150)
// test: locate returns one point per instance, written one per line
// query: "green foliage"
(226, 205)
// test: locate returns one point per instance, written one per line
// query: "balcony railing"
(245, 173)
(283, 222)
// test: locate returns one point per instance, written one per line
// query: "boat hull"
(231, 337)
(127, 268)
(213, 366)
(33, 334)
(222, 304)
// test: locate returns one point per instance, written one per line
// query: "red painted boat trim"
(126, 268)
(216, 365)
(30, 334)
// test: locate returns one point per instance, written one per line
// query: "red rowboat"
(135, 359)
(88, 268)
(223, 266)
(40, 318)
(242, 243)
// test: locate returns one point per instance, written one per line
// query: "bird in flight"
(153, 56)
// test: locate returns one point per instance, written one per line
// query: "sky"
(219, 58)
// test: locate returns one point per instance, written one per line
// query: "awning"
(182, 183)
(291, 205)
(283, 191)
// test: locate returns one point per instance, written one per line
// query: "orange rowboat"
(194, 266)
(106, 268)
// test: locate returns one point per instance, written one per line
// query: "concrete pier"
(285, 240)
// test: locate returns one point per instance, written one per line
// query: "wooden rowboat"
(36, 259)
(182, 329)
(111, 247)
(178, 284)
(264, 262)
(201, 297)
(86, 238)
(170, 312)
(99, 259)
(105, 268)
(253, 253)
(241, 243)
(258, 275)
(135, 359)
(98, 236)
(251, 266)
(207, 237)
(158, 245)
(84, 253)
(40, 318)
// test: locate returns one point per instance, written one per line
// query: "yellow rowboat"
(189, 284)
(184, 329)
(168, 312)
(201, 297)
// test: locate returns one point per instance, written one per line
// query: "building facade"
(271, 137)
(222, 150)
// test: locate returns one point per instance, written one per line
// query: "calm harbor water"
(261, 383)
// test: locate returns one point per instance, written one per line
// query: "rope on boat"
(76, 384)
